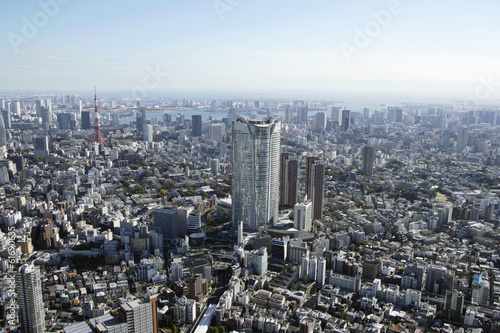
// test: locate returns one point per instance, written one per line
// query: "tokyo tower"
(97, 129)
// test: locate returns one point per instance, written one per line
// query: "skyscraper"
(256, 171)
(462, 138)
(196, 125)
(368, 160)
(29, 298)
(41, 145)
(289, 175)
(3, 134)
(6, 119)
(148, 133)
(302, 115)
(46, 118)
(315, 176)
(320, 122)
(166, 219)
(346, 120)
(86, 120)
(288, 114)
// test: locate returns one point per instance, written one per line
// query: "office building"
(319, 122)
(256, 170)
(166, 219)
(302, 114)
(30, 299)
(315, 176)
(46, 118)
(368, 160)
(41, 145)
(196, 125)
(257, 259)
(6, 119)
(346, 120)
(302, 216)
(86, 123)
(336, 116)
(214, 166)
(66, 121)
(288, 114)
(462, 139)
(3, 133)
(289, 175)
(148, 133)
(215, 131)
(321, 278)
(453, 305)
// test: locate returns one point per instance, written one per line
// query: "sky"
(411, 48)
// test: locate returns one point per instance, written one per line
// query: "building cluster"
(264, 216)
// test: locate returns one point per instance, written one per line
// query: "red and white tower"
(97, 129)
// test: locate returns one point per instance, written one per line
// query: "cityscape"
(232, 198)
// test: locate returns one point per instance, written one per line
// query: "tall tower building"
(3, 133)
(46, 118)
(196, 125)
(302, 114)
(289, 174)
(320, 122)
(148, 133)
(462, 138)
(41, 145)
(6, 119)
(368, 160)
(86, 120)
(288, 114)
(166, 219)
(256, 171)
(346, 120)
(302, 216)
(315, 177)
(336, 116)
(29, 298)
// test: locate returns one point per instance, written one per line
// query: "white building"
(29, 298)
(258, 260)
(256, 171)
(302, 216)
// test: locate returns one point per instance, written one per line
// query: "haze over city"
(422, 50)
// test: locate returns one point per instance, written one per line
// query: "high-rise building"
(140, 119)
(6, 119)
(215, 131)
(65, 121)
(86, 120)
(148, 133)
(304, 274)
(315, 177)
(214, 166)
(435, 277)
(46, 118)
(302, 216)
(166, 219)
(336, 116)
(462, 138)
(302, 114)
(41, 145)
(116, 119)
(368, 160)
(257, 259)
(288, 114)
(196, 125)
(256, 170)
(346, 120)
(196, 287)
(3, 133)
(320, 122)
(138, 314)
(289, 175)
(321, 278)
(30, 299)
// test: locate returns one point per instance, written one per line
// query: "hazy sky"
(429, 47)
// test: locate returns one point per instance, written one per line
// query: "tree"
(175, 329)
(212, 329)
(222, 329)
